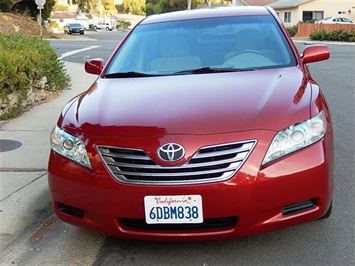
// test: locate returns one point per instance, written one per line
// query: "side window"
(346, 20)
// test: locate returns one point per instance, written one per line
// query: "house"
(293, 11)
(63, 18)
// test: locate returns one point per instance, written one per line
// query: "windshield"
(207, 45)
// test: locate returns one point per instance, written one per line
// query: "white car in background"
(103, 26)
(334, 20)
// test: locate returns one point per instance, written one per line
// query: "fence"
(304, 29)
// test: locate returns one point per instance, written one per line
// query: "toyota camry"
(203, 124)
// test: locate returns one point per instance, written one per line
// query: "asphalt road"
(323, 242)
(99, 44)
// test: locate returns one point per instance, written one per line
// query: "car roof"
(207, 13)
(333, 18)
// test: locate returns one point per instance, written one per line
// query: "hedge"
(336, 35)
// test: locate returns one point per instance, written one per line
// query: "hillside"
(13, 23)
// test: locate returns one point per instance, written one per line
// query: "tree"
(163, 6)
(29, 7)
(5, 6)
(47, 9)
(175, 5)
(109, 6)
(97, 6)
(135, 7)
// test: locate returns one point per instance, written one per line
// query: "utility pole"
(40, 4)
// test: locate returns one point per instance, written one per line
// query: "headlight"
(296, 137)
(69, 146)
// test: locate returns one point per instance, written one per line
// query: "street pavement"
(24, 193)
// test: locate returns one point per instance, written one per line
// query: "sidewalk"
(24, 191)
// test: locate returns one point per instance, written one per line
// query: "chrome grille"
(209, 164)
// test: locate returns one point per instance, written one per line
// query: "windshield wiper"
(130, 74)
(206, 70)
(203, 70)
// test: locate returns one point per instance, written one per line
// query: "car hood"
(191, 104)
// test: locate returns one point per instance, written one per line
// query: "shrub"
(292, 30)
(25, 61)
(124, 24)
(336, 35)
(309, 21)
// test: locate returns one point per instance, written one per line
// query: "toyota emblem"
(171, 152)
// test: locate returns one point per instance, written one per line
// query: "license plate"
(173, 209)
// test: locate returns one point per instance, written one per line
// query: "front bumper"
(295, 189)
(76, 31)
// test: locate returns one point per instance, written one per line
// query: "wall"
(294, 15)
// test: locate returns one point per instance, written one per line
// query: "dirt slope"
(13, 23)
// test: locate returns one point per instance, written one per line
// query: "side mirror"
(94, 66)
(315, 53)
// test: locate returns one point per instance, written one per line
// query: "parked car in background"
(73, 28)
(204, 124)
(334, 20)
(103, 26)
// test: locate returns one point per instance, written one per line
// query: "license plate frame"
(173, 209)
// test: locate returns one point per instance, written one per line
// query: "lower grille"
(208, 224)
(209, 164)
(299, 207)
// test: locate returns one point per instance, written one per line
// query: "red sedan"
(203, 124)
